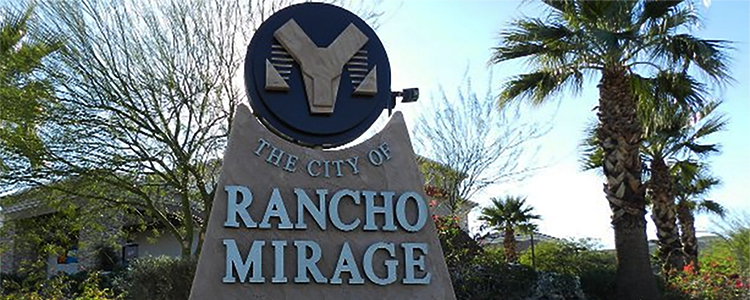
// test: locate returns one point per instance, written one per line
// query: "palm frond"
(655, 10)
(549, 44)
(592, 155)
(538, 86)
(705, 183)
(694, 129)
(680, 18)
(684, 50)
(510, 211)
(701, 149)
(681, 88)
(560, 5)
(693, 182)
(715, 123)
(684, 170)
(669, 87)
(712, 207)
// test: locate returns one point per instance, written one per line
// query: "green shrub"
(594, 268)
(490, 278)
(599, 283)
(551, 285)
(723, 271)
(91, 289)
(479, 274)
(711, 283)
(61, 287)
(106, 258)
(158, 278)
(734, 242)
(10, 283)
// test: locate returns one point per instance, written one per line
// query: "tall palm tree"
(672, 139)
(693, 182)
(673, 135)
(508, 215)
(615, 40)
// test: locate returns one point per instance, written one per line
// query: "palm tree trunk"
(620, 137)
(509, 244)
(663, 214)
(687, 227)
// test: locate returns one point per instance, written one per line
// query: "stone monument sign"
(293, 221)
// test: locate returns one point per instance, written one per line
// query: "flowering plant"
(715, 280)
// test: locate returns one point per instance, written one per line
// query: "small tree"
(508, 215)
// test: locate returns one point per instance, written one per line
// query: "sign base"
(290, 222)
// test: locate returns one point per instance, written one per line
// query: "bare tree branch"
(482, 144)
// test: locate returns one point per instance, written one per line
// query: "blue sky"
(434, 43)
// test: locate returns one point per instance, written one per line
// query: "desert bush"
(551, 285)
(157, 278)
(734, 233)
(492, 278)
(723, 272)
(595, 269)
(713, 282)
(61, 287)
(477, 273)
(459, 248)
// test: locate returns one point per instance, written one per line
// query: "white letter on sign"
(390, 264)
(234, 208)
(333, 210)
(371, 210)
(278, 258)
(347, 263)
(234, 262)
(305, 204)
(276, 209)
(305, 263)
(410, 262)
(421, 211)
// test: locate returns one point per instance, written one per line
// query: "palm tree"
(509, 215)
(672, 138)
(693, 182)
(615, 40)
(673, 135)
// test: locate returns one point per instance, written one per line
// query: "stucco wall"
(165, 244)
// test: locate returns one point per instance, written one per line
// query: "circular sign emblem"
(317, 74)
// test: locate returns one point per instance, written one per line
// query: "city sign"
(293, 221)
(327, 56)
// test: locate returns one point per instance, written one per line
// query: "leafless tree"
(480, 143)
